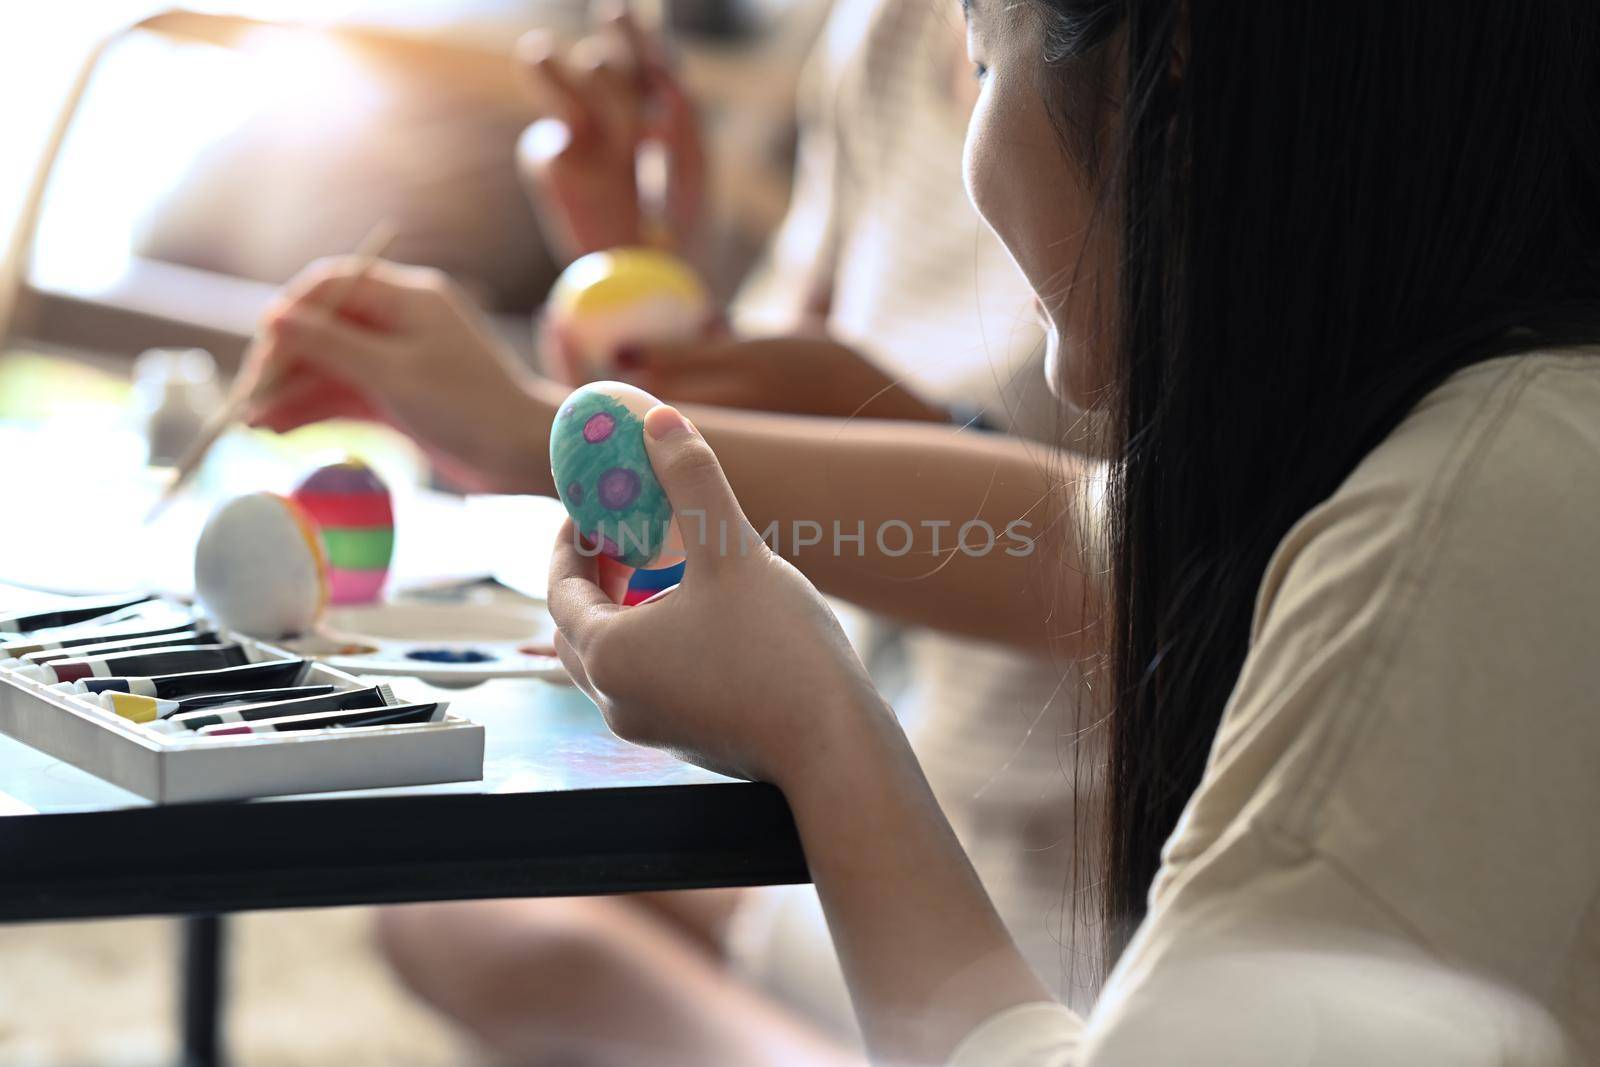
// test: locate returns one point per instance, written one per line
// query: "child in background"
(882, 295)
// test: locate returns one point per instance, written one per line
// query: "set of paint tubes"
(156, 664)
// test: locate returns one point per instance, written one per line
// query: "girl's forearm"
(935, 526)
(926, 957)
(957, 530)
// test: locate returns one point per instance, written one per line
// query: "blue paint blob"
(449, 655)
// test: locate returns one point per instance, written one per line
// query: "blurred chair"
(416, 130)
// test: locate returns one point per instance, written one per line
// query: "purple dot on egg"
(610, 548)
(599, 427)
(575, 494)
(619, 487)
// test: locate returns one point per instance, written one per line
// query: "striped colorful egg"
(355, 514)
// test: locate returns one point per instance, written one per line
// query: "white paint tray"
(170, 769)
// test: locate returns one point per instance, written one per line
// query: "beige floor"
(308, 988)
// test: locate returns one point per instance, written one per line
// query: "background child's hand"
(603, 98)
(405, 347)
(742, 668)
(794, 375)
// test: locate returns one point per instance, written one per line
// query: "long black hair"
(1323, 208)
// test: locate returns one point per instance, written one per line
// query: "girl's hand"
(407, 348)
(742, 667)
(602, 99)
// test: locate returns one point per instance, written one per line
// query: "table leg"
(203, 954)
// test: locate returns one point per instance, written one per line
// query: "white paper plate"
(456, 643)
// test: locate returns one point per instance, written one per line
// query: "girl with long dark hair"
(1326, 272)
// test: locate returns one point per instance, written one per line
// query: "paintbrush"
(368, 252)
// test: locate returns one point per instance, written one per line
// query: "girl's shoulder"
(1417, 725)
(1417, 711)
(1500, 458)
(1463, 547)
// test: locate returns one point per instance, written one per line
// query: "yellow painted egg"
(626, 296)
(259, 567)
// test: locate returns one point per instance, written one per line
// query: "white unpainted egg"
(259, 567)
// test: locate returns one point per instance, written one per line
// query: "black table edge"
(328, 852)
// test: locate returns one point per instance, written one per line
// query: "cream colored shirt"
(1394, 855)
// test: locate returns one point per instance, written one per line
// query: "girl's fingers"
(709, 516)
(578, 604)
(574, 665)
(614, 578)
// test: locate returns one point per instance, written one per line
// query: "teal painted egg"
(603, 475)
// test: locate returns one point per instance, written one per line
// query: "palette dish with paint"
(163, 701)
(478, 635)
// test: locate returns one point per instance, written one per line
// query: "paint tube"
(180, 639)
(166, 658)
(77, 637)
(401, 715)
(376, 696)
(268, 674)
(70, 613)
(137, 708)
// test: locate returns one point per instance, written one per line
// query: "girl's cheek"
(975, 161)
(984, 167)
(998, 164)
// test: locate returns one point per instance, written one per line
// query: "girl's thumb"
(708, 514)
